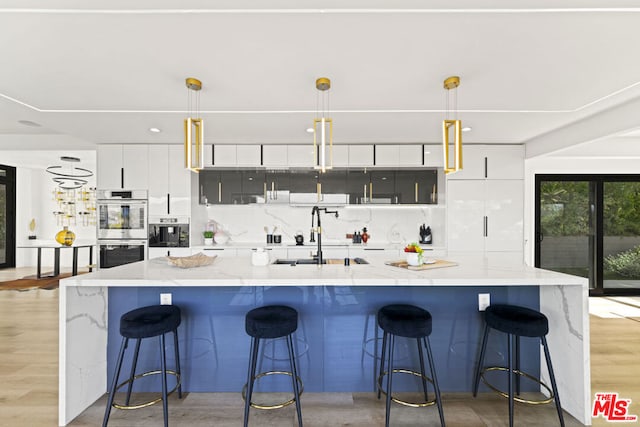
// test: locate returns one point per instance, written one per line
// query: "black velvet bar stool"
(146, 322)
(408, 321)
(516, 321)
(268, 322)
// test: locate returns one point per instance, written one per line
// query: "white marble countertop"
(238, 271)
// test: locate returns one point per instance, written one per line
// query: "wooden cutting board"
(438, 264)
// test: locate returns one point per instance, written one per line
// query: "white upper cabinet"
(491, 162)
(274, 155)
(301, 156)
(360, 155)
(169, 181)
(122, 166)
(248, 155)
(433, 156)
(340, 156)
(398, 155)
(219, 155)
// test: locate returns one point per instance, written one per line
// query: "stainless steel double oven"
(122, 226)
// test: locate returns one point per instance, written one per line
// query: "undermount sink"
(312, 261)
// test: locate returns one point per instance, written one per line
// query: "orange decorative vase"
(65, 236)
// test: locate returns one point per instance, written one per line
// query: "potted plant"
(208, 238)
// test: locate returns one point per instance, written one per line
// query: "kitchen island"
(336, 339)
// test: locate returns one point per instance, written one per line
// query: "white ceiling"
(106, 71)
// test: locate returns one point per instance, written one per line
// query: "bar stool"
(268, 322)
(410, 322)
(146, 322)
(519, 322)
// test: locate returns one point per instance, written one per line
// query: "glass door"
(621, 235)
(7, 216)
(589, 226)
(565, 226)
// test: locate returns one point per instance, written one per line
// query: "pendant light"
(323, 128)
(452, 125)
(193, 128)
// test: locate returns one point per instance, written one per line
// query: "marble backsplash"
(385, 224)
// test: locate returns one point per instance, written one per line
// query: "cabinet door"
(301, 156)
(254, 188)
(274, 155)
(387, 155)
(491, 162)
(433, 156)
(360, 155)
(209, 183)
(473, 163)
(416, 186)
(277, 187)
(249, 155)
(224, 155)
(340, 156)
(159, 180)
(409, 155)
(505, 162)
(230, 188)
(505, 215)
(465, 215)
(179, 183)
(136, 167)
(109, 167)
(382, 187)
(358, 186)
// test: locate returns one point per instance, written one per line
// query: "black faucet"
(316, 211)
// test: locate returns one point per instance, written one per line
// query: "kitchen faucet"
(316, 211)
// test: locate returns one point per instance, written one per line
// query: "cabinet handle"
(319, 191)
(370, 191)
(121, 177)
(168, 203)
(264, 189)
(219, 191)
(416, 196)
(273, 190)
(486, 167)
(486, 226)
(364, 193)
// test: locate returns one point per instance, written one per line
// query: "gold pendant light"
(452, 125)
(323, 128)
(193, 128)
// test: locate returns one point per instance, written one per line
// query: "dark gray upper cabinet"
(301, 187)
(416, 187)
(382, 187)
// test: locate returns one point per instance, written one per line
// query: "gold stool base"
(404, 402)
(275, 405)
(516, 398)
(151, 402)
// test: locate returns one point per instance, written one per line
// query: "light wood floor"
(29, 381)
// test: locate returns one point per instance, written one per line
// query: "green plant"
(626, 264)
(208, 234)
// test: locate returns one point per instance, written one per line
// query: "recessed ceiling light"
(466, 129)
(309, 130)
(29, 123)
(154, 130)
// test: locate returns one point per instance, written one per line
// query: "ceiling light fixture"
(451, 86)
(193, 128)
(322, 127)
(69, 177)
(154, 130)
(467, 129)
